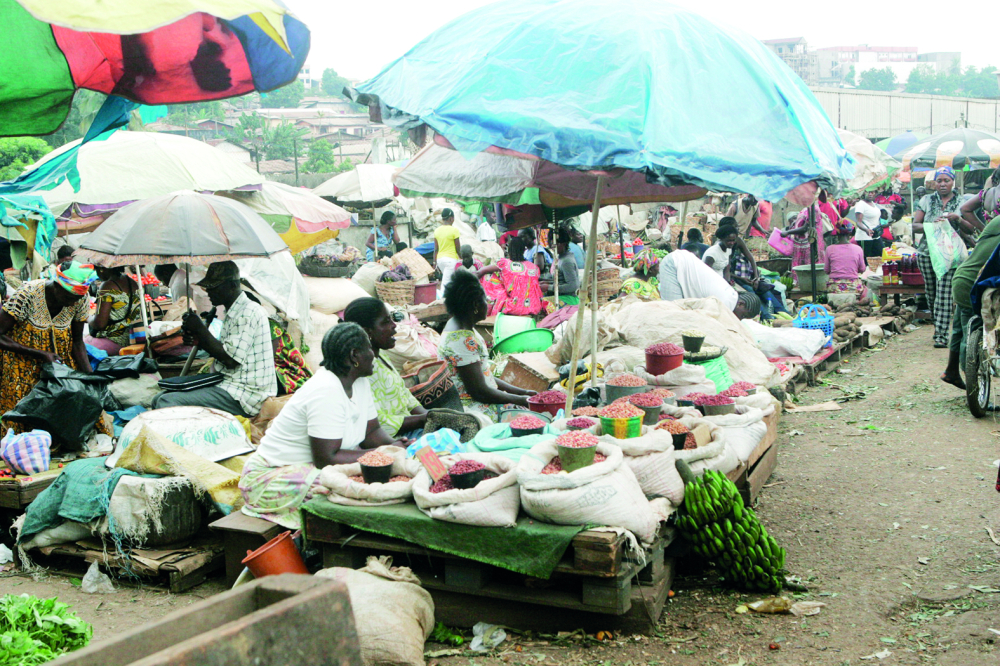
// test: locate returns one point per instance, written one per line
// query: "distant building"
(328, 104)
(943, 61)
(794, 51)
(305, 76)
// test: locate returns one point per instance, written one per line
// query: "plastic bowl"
(622, 428)
(693, 344)
(652, 416)
(508, 325)
(717, 410)
(518, 432)
(657, 365)
(469, 479)
(544, 408)
(612, 392)
(574, 458)
(679, 441)
(380, 474)
(534, 340)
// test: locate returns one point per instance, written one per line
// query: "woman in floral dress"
(513, 284)
(464, 350)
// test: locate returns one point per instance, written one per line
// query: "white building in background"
(837, 61)
(305, 76)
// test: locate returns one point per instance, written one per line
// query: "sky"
(358, 39)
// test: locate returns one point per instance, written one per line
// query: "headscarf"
(645, 262)
(76, 278)
(945, 171)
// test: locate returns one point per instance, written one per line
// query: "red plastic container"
(657, 365)
(425, 293)
(277, 556)
(542, 408)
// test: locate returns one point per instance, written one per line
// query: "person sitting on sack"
(684, 275)
(243, 352)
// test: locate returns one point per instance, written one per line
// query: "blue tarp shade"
(638, 84)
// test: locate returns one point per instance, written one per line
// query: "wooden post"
(813, 250)
(142, 306)
(589, 265)
(621, 236)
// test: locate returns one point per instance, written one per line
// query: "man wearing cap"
(243, 353)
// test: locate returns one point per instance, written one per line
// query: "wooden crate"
(286, 620)
(595, 576)
(18, 492)
(530, 370)
(240, 533)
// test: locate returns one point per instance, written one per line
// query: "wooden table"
(18, 492)
(898, 290)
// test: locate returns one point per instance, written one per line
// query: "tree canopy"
(322, 159)
(877, 79)
(972, 82)
(332, 83)
(16, 153)
(287, 97)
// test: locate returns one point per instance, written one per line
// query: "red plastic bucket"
(657, 365)
(425, 293)
(277, 556)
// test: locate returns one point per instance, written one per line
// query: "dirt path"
(882, 508)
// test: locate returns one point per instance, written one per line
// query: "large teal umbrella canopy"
(634, 84)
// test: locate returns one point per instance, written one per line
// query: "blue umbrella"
(634, 84)
(897, 145)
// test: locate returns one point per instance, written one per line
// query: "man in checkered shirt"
(243, 353)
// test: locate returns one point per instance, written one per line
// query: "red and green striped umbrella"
(175, 51)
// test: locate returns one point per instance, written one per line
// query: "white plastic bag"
(651, 458)
(95, 582)
(351, 493)
(687, 378)
(492, 503)
(604, 493)
(393, 614)
(744, 429)
(787, 340)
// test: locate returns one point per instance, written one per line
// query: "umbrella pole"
(194, 350)
(555, 264)
(142, 306)
(621, 236)
(589, 263)
(813, 251)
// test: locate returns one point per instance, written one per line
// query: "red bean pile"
(645, 400)
(585, 411)
(576, 439)
(734, 392)
(713, 400)
(664, 349)
(694, 397)
(357, 478)
(622, 410)
(673, 427)
(375, 459)
(627, 379)
(466, 466)
(690, 442)
(555, 465)
(442, 484)
(550, 397)
(580, 422)
(746, 386)
(663, 393)
(527, 423)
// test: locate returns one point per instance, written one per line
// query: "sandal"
(956, 381)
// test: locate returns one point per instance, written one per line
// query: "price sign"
(429, 459)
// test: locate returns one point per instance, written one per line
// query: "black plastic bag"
(126, 367)
(65, 403)
(588, 398)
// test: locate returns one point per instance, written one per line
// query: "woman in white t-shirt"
(330, 420)
(717, 256)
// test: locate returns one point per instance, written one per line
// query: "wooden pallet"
(176, 569)
(19, 492)
(595, 576)
(750, 476)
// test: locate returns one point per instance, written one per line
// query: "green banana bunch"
(714, 519)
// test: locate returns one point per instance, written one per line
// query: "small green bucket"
(622, 428)
(574, 458)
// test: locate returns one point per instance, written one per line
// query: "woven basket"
(315, 270)
(396, 293)
(874, 263)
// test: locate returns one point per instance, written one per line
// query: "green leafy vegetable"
(443, 634)
(35, 631)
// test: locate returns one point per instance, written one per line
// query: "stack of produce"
(845, 327)
(721, 529)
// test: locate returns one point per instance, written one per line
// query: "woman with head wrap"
(330, 420)
(845, 262)
(117, 310)
(801, 236)
(398, 411)
(938, 256)
(43, 323)
(644, 282)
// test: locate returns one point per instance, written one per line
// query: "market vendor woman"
(398, 411)
(43, 323)
(331, 420)
(464, 350)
